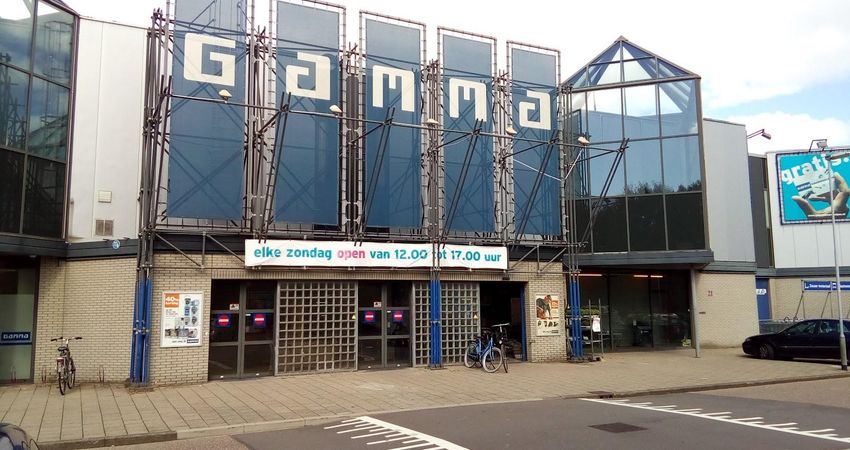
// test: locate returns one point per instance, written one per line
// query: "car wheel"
(766, 351)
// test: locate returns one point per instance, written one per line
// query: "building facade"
(166, 201)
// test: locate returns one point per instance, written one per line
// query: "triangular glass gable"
(625, 62)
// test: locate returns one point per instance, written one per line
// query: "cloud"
(792, 131)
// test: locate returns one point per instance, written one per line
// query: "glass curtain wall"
(654, 200)
(36, 66)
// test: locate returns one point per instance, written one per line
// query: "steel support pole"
(842, 341)
(694, 315)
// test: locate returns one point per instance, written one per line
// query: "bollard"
(43, 375)
(101, 374)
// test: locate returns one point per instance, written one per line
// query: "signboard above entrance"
(824, 285)
(370, 254)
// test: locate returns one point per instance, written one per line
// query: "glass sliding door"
(242, 321)
(383, 325)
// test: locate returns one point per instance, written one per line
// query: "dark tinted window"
(16, 32)
(48, 127)
(643, 167)
(45, 197)
(11, 184)
(582, 214)
(224, 293)
(609, 226)
(802, 328)
(13, 112)
(646, 223)
(685, 228)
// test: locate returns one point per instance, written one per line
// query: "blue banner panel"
(763, 298)
(206, 145)
(307, 189)
(824, 285)
(393, 74)
(467, 97)
(534, 98)
(804, 185)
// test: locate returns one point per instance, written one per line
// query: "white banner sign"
(370, 254)
(182, 319)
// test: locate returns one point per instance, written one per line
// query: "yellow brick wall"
(92, 299)
(178, 365)
(785, 295)
(726, 308)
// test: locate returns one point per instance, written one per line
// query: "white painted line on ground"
(821, 431)
(371, 434)
(666, 406)
(714, 416)
(406, 435)
(718, 413)
(749, 419)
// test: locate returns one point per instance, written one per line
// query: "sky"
(782, 66)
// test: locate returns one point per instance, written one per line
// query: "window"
(643, 167)
(682, 167)
(641, 112)
(11, 184)
(646, 223)
(48, 127)
(685, 227)
(16, 32)
(44, 198)
(53, 42)
(802, 328)
(604, 116)
(600, 167)
(609, 227)
(678, 108)
(14, 86)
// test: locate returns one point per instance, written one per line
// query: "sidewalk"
(95, 414)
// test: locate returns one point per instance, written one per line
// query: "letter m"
(472, 90)
(393, 76)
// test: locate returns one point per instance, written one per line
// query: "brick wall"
(786, 293)
(726, 308)
(92, 299)
(178, 365)
(552, 281)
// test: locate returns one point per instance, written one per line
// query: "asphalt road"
(794, 416)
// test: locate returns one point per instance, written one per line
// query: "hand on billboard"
(839, 203)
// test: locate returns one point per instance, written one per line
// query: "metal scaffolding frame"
(266, 121)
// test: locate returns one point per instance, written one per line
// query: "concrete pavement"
(97, 414)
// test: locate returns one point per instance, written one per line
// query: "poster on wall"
(804, 185)
(548, 314)
(182, 321)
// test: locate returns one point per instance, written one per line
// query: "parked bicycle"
(482, 350)
(501, 339)
(66, 371)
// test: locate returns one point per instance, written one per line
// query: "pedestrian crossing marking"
(390, 434)
(755, 422)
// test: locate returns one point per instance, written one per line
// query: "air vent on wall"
(103, 227)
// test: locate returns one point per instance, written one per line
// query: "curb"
(109, 441)
(287, 424)
(707, 387)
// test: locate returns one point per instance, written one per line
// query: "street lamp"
(761, 133)
(842, 344)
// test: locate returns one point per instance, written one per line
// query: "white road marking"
(388, 432)
(781, 427)
(749, 419)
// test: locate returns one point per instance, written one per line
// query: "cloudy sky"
(778, 65)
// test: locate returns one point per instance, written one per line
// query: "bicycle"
(501, 337)
(66, 371)
(482, 351)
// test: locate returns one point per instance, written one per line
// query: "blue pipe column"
(575, 318)
(135, 354)
(436, 331)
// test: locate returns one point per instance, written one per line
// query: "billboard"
(207, 140)
(468, 69)
(308, 42)
(805, 184)
(537, 178)
(393, 89)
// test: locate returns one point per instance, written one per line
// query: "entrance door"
(383, 325)
(242, 322)
(17, 307)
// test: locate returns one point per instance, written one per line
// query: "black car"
(816, 338)
(13, 437)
